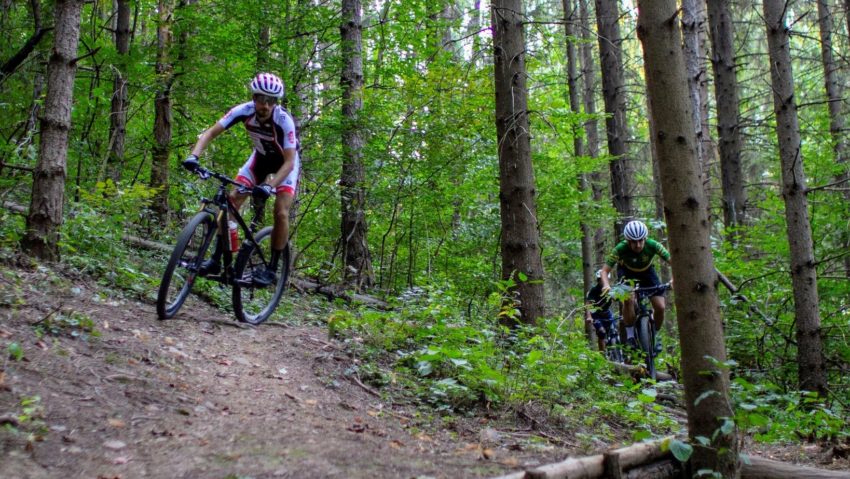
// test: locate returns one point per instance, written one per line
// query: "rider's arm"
(606, 269)
(206, 137)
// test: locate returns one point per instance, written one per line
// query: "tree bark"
(810, 359)
(728, 126)
(162, 110)
(614, 95)
(835, 102)
(707, 395)
(357, 261)
(520, 242)
(48, 188)
(118, 114)
(693, 21)
(597, 180)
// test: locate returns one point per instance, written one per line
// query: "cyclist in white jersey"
(273, 166)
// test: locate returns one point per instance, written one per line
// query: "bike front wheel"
(252, 303)
(613, 349)
(646, 338)
(182, 269)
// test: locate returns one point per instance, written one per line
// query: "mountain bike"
(645, 324)
(613, 345)
(253, 303)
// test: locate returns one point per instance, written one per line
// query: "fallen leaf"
(396, 444)
(5, 334)
(41, 344)
(487, 453)
(311, 402)
(115, 444)
(121, 460)
(115, 422)
(168, 340)
(510, 461)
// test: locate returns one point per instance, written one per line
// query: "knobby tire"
(182, 270)
(646, 337)
(253, 304)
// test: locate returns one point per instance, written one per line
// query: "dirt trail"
(203, 397)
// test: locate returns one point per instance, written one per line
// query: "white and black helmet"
(267, 84)
(635, 230)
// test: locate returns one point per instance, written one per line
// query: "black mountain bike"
(613, 345)
(645, 324)
(252, 302)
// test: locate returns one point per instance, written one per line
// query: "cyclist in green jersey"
(633, 258)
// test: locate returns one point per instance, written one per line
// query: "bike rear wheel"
(613, 348)
(646, 339)
(254, 304)
(182, 269)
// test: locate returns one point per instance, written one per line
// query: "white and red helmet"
(267, 84)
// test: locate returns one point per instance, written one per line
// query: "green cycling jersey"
(624, 256)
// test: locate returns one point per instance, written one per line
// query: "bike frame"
(644, 312)
(220, 206)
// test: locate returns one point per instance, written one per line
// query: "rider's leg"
(280, 231)
(658, 306)
(629, 311)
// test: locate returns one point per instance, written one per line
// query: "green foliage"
(75, 325)
(15, 351)
(771, 415)
(93, 235)
(456, 362)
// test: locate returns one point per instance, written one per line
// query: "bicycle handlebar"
(206, 174)
(649, 290)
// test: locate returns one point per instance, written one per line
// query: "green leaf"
(681, 450)
(16, 352)
(641, 434)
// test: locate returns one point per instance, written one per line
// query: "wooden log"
(666, 469)
(760, 468)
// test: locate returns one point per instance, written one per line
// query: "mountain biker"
(272, 131)
(598, 311)
(633, 257)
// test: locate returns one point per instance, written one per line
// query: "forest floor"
(202, 396)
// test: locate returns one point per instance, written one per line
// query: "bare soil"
(202, 396)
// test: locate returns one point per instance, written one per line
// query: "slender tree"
(48, 188)
(520, 238)
(728, 126)
(693, 20)
(162, 108)
(588, 73)
(614, 95)
(357, 261)
(707, 395)
(118, 113)
(810, 359)
(832, 82)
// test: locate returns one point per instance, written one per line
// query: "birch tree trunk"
(833, 82)
(48, 188)
(118, 112)
(357, 261)
(520, 243)
(707, 395)
(162, 110)
(810, 359)
(614, 95)
(728, 126)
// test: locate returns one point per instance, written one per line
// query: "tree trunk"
(833, 82)
(118, 115)
(614, 94)
(520, 243)
(707, 395)
(571, 18)
(48, 188)
(810, 360)
(357, 261)
(693, 20)
(590, 126)
(162, 110)
(728, 126)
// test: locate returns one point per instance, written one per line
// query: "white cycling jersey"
(270, 137)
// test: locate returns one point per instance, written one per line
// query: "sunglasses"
(268, 100)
